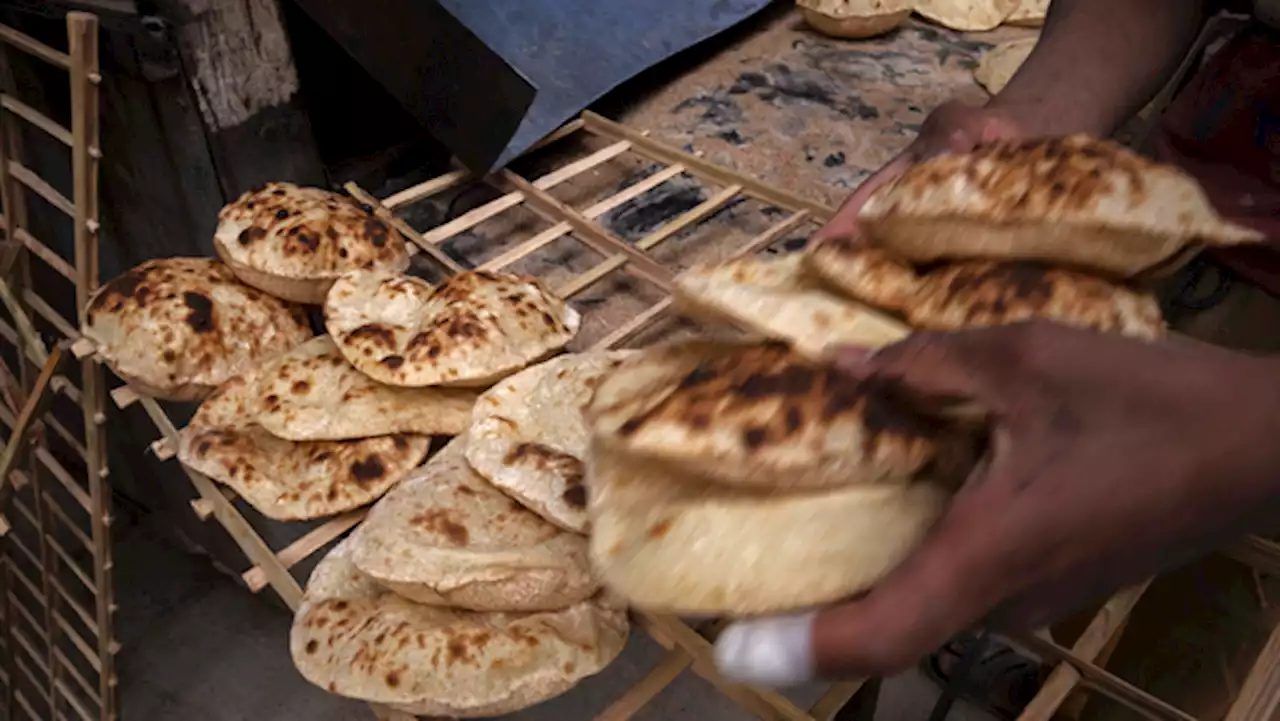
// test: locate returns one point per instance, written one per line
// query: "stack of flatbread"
(857, 19)
(1064, 229)
(745, 478)
(468, 590)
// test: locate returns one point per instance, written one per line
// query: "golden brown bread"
(1074, 201)
(761, 415)
(966, 294)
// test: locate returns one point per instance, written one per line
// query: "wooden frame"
(59, 651)
(689, 649)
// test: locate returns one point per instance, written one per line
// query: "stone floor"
(197, 647)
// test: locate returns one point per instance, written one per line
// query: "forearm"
(1098, 62)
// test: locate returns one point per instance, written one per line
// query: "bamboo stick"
(31, 46)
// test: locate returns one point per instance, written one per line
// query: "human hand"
(1110, 459)
(953, 127)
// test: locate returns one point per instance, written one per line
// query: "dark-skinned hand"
(1110, 459)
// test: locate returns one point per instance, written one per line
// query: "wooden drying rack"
(1075, 667)
(51, 652)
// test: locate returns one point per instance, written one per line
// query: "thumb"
(964, 366)
(930, 597)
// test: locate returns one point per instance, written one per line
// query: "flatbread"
(293, 242)
(966, 15)
(354, 638)
(447, 537)
(528, 436)
(998, 64)
(967, 294)
(1074, 201)
(282, 479)
(854, 19)
(469, 331)
(762, 416)
(778, 299)
(176, 328)
(313, 394)
(1029, 13)
(670, 544)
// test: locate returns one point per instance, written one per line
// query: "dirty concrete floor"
(198, 647)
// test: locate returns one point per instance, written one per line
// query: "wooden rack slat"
(835, 699)
(63, 477)
(596, 210)
(90, 656)
(588, 231)
(424, 190)
(86, 617)
(650, 241)
(34, 681)
(73, 566)
(31, 46)
(643, 691)
(36, 118)
(46, 311)
(1259, 697)
(237, 526)
(408, 231)
(1064, 678)
(26, 706)
(74, 701)
(56, 508)
(1260, 553)
(41, 187)
(484, 212)
(45, 253)
(701, 168)
(293, 554)
(76, 676)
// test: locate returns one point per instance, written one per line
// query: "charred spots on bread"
(576, 495)
(200, 315)
(374, 334)
(126, 287)
(376, 231)
(251, 235)
(547, 459)
(439, 522)
(368, 469)
(393, 362)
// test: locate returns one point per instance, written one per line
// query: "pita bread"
(777, 299)
(1000, 63)
(966, 15)
(528, 436)
(284, 480)
(446, 537)
(1029, 13)
(293, 242)
(469, 331)
(763, 416)
(854, 19)
(980, 293)
(313, 394)
(176, 328)
(668, 543)
(354, 638)
(1073, 201)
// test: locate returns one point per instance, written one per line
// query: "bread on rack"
(528, 436)
(288, 480)
(966, 15)
(470, 330)
(313, 394)
(354, 638)
(446, 537)
(966, 294)
(744, 479)
(293, 242)
(1029, 13)
(177, 328)
(997, 66)
(1073, 201)
(854, 19)
(777, 298)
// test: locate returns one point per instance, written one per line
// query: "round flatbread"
(854, 19)
(1000, 63)
(354, 638)
(282, 479)
(447, 537)
(1029, 13)
(313, 394)
(762, 416)
(674, 545)
(471, 330)
(967, 294)
(528, 436)
(1074, 201)
(966, 15)
(778, 299)
(294, 242)
(176, 328)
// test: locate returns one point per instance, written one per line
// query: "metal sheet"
(491, 78)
